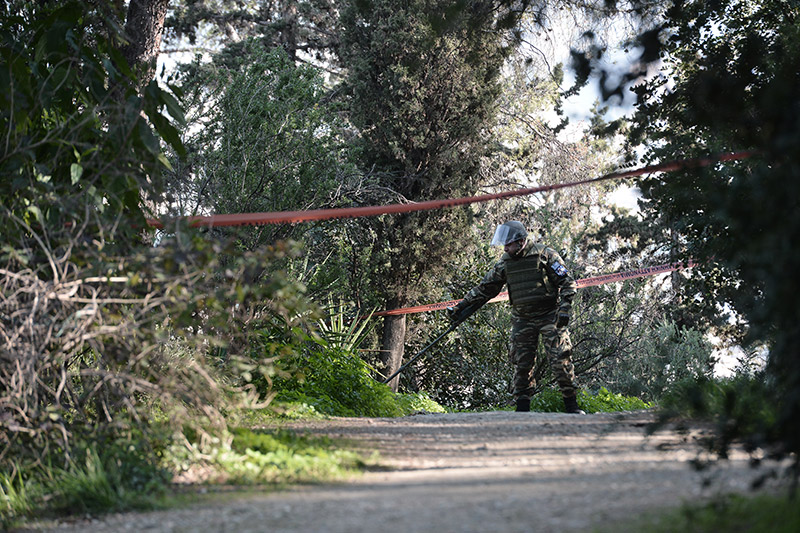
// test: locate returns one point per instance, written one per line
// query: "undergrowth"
(122, 475)
(549, 400)
(273, 457)
(743, 409)
(336, 382)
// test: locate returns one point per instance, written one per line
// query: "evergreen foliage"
(730, 83)
(81, 146)
(105, 337)
(268, 139)
(303, 29)
(668, 355)
(421, 95)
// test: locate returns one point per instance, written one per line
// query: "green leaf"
(33, 210)
(164, 160)
(18, 255)
(168, 132)
(147, 138)
(173, 107)
(75, 171)
(120, 62)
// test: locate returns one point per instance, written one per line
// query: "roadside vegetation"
(135, 355)
(762, 513)
(742, 410)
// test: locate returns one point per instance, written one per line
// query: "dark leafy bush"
(743, 408)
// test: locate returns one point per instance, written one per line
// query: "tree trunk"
(144, 27)
(394, 336)
(288, 35)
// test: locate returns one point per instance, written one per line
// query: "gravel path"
(469, 472)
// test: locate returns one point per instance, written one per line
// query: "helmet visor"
(505, 234)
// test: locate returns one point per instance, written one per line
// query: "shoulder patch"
(559, 269)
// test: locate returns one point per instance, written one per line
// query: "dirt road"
(469, 472)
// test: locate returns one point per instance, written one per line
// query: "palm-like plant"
(342, 332)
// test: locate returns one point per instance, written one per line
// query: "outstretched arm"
(488, 288)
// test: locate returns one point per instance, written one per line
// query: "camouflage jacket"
(538, 282)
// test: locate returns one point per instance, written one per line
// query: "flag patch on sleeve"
(559, 269)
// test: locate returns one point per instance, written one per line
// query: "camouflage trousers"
(525, 334)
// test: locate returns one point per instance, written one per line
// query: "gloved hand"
(461, 312)
(562, 320)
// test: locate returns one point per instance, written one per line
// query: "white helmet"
(509, 232)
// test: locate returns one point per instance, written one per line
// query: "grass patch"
(294, 405)
(277, 457)
(111, 479)
(764, 513)
(96, 485)
(107, 481)
(16, 500)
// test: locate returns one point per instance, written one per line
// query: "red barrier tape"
(631, 274)
(288, 217)
(582, 283)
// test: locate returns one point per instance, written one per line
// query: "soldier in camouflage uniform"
(541, 291)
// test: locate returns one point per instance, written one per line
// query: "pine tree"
(423, 83)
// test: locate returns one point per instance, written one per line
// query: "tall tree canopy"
(422, 81)
(303, 28)
(265, 136)
(729, 81)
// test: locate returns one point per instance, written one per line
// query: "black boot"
(523, 405)
(571, 405)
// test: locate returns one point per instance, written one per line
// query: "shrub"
(669, 355)
(337, 382)
(743, 408)
(549, 400)
(330, 378)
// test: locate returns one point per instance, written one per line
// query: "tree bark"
(288, 36)
(144, 27)
(393, 342)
